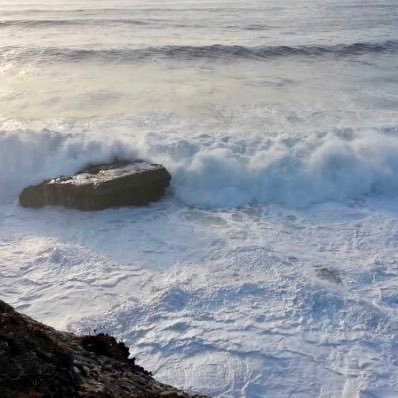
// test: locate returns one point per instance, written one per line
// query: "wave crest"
(218, 173)
(332, 170)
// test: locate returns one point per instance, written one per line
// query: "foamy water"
(271, 267)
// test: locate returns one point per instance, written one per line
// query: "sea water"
(270, 269)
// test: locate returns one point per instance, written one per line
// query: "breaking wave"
(219, 173)
(28, 157)
(217, 51)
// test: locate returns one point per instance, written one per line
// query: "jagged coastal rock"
(37, 361)
(120, 183)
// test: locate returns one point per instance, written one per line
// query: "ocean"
(270, 269)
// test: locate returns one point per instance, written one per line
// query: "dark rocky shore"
(37, 361)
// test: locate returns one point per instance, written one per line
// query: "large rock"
(99, 187)
(37, 361)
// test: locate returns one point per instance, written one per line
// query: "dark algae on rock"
(98, 187)
(37, 361)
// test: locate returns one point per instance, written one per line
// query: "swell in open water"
(55, 54)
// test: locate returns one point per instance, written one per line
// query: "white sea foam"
(219, 172)
(229, 303)
(260, 275)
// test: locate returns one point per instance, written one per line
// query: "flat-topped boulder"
(98, 187)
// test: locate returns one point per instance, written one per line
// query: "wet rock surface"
(37, 361)
(328, 274)
(98, 187)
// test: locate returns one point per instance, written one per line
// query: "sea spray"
(220, 173)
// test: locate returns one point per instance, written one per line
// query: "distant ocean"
(271, 267)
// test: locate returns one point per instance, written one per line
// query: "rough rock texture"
(37, 361)
(99, 187)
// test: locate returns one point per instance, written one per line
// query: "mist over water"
(271, 267)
